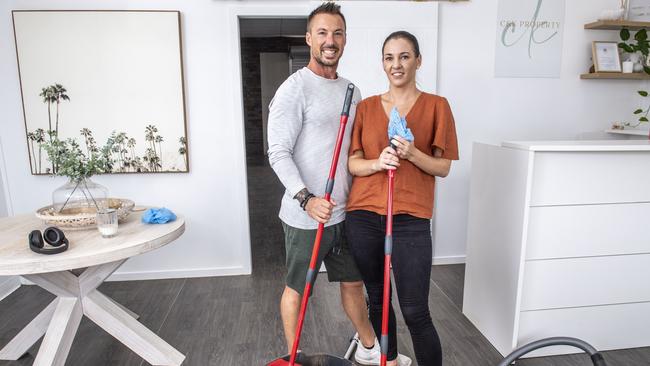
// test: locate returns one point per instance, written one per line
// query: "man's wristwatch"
(303, 197)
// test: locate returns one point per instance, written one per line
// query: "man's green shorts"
(334, 251)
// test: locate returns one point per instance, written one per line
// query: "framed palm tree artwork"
(104, 76)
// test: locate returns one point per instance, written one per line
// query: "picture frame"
(119, 80)
(606, 57)
(637, 10)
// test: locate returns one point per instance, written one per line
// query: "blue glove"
(397, 126)
(158, 216)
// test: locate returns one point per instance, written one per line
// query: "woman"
(416, 165)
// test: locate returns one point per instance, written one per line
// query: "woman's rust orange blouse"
(432, 123)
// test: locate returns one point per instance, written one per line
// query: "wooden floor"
(234, 321)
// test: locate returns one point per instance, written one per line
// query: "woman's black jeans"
(411, 259)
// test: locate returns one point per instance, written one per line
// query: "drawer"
(587, 230)
(605, 327)
(561, 178)
(561, 283)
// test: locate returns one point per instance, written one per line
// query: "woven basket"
(81, 218)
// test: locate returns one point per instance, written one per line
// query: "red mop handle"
(388, 249)
(311, 273)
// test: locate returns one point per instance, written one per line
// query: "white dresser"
(558, 243)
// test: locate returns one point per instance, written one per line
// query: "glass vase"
(80, 196)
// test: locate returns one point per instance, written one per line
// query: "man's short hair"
(325, 8)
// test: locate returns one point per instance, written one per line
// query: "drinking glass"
(107, 222)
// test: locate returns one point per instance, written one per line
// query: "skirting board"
(181, 273)
(8, 285)
(229, 271)
(223, 271)
(452, 259)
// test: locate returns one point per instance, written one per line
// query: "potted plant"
(80, 193)
(637, 50)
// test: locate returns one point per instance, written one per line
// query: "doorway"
(271, 50)
(369, 23)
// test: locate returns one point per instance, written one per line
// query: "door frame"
(273, 9)
(4, 181)
(7, 284)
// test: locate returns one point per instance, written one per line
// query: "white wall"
(491, 110)
(213, 196)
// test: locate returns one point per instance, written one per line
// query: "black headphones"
(53, 236)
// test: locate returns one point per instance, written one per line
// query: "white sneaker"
(372, 356)
(366, 356)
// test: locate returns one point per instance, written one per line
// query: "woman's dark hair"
(405, 35)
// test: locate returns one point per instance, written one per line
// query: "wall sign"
(529, 38)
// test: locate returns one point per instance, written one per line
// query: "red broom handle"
(311, 273)
(388, 248)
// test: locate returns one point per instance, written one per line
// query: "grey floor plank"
(16, 311)
(450, 279)
(267, 238)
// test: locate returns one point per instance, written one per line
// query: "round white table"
(77, 293)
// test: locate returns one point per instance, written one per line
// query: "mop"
(319, 360)
(396, 127)
(388, 250)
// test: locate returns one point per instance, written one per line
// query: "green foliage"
(644, 117)
(641, 45)
(71, 161)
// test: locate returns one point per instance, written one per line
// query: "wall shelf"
(629, 132)
(617, 25)
(616, 75)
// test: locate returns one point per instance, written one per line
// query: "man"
(302, 130)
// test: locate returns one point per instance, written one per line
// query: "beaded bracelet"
(303, 204)
(301, 195)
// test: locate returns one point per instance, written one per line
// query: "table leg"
(92, 277)
(101, 310)
(29, 335)
(78, 296)
(131, 313)
(60, 333)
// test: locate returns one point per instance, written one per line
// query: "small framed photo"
(605, 56)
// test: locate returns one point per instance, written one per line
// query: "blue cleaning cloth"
(158, 216)
(397, 126)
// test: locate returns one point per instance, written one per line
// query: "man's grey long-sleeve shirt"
(304, 118)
